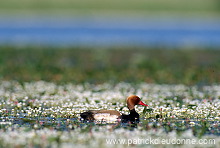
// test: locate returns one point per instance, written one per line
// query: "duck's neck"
(134, 116)
(133, 111)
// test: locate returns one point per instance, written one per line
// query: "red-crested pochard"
(112, 116)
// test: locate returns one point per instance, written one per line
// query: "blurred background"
(109, 40)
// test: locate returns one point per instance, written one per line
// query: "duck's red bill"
(141, 103)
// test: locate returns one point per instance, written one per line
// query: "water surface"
(109, 32)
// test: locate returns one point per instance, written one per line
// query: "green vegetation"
(117, 64)
(97, 6)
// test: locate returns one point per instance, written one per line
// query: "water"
(64, 124)
(109, 32)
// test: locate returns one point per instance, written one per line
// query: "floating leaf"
(145, 110)
(149, 110)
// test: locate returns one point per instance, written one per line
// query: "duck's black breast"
(133, 117)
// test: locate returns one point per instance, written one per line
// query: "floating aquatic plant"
(43, 114)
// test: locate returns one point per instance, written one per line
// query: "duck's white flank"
(102, 118)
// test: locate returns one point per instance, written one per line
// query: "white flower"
(192, 123)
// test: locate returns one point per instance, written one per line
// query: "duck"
(113, 116)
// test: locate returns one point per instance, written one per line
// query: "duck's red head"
(134, 100)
